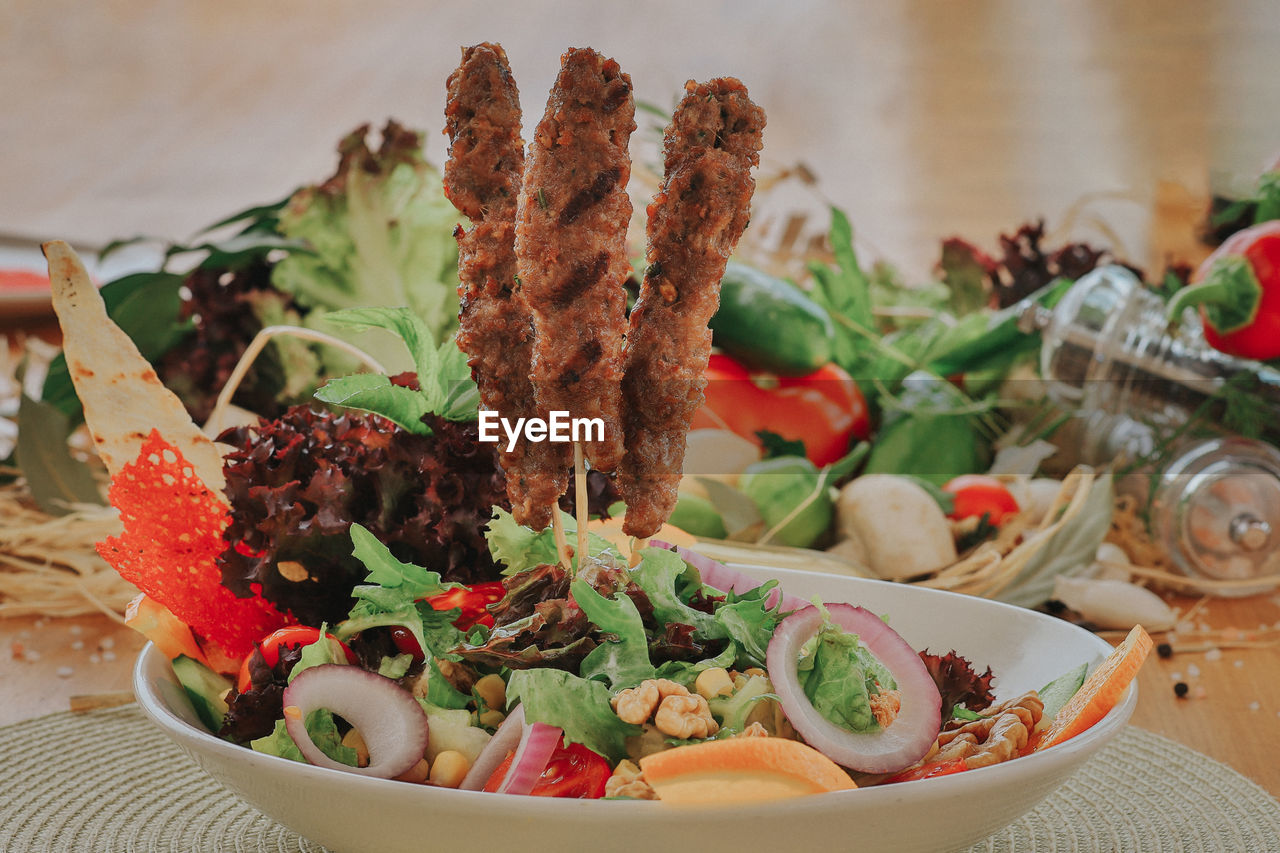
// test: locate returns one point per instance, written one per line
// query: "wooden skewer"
(82, 702)
(580, 501)
(562, 546)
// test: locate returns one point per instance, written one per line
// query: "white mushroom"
(899, 526)
(1114, 604)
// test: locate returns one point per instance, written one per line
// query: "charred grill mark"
(582, 276)
(615, 95)
(580, 362)
(589, 196)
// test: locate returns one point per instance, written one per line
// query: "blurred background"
(922, 119)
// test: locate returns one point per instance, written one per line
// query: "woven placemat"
(111, 781)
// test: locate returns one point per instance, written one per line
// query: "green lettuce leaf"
(393, 600)
(395, 667)
(749, 622)
(579, 706)
(658, 574)
(835, 680)
(322, 651)
(380, 233)
(324, 733)
(839, 675)
(623, 662)
(521, 548)
(373, 392)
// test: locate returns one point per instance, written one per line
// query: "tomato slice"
(473, 601)
(573, 772)
(824, 409)
(286, 638)
(929, 771)
(499, 773)
(406, 643)
(977, 495)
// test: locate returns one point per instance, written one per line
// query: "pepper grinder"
(1109, 352)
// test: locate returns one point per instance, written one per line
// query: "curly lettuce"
(380, 231)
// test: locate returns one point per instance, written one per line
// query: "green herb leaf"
(373, 392)
(387, 571)
(55, 477)
(413, 332)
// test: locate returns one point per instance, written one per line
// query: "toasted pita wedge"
(123, 398)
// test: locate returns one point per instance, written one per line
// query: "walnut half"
(628, 781)
(685, 717)
(999, 736)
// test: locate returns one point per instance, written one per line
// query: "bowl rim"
(1055, 762)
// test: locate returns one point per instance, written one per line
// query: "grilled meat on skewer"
(571, 229)
(482, 179)
(694, 223)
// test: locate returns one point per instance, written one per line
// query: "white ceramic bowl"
(349, 813)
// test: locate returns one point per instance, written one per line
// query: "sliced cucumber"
(1058, 692)
(205, 688)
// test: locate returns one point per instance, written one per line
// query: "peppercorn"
(1164, 650)
(1180, 689)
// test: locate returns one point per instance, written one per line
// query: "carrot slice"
(740, 769)
(1100, 691)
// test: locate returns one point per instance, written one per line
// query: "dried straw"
(48, 564)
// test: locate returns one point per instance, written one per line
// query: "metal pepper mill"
(1108, 351)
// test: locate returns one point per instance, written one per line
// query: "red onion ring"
(539, 742)
(718, 575)
(390, 720)
(505, 740)
(899, 745)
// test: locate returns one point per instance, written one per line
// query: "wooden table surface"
(1231, 713)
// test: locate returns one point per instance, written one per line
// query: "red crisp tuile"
(172, 537)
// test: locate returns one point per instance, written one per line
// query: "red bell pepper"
(824, 409)
(1237, 289)
(976, 495)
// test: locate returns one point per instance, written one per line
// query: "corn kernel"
(354, 740)
(713, 682)
(492, 719)
(493, 691)
(450, 769)
(418, 773)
